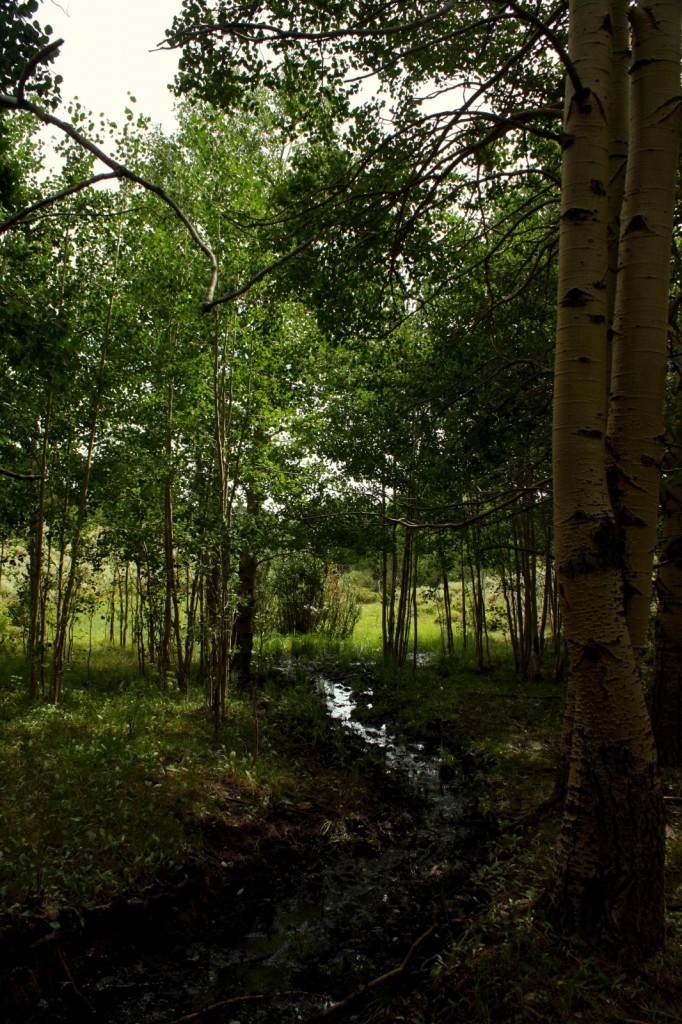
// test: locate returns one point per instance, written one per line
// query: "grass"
(112, 792)
(102, 794)
(508, 966)
(109, 792)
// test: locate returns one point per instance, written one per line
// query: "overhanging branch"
(70, 190)
(20, 102)
(18, 476)
(261, 31)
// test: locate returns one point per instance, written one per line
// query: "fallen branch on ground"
(235, 1001)
(383, 979)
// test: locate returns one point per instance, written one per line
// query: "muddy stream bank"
(317, 910)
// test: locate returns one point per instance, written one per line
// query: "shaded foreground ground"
(279, 847)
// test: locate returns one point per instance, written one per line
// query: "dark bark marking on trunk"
(576, 298)
(610, 544)
(578, 215)
(637, 223)
(643, 63)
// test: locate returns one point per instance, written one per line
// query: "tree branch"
(358, 993)
(70, 190)
(463, 523)
(38, 58)
(18, 476)
(19, 102)
(549, 34)
(210, 304)
(516, 120)
(262, 31)
(189, 1018)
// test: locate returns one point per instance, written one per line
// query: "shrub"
(311, 598)
(341, 610)
(298, 583)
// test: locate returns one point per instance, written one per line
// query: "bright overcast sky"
(106, 54)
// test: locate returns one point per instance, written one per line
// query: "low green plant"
(103, 793)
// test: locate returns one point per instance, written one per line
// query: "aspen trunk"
(246, 607)
(449, 638)
(642, 298)
(171, 626)
(124, 606)
(608, 878)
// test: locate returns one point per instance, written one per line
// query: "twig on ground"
(343, 1004)
(74, 986)
(236, 1001)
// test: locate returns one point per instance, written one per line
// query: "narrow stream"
(444, 796)
(349, 920)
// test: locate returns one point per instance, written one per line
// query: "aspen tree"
(608, 878)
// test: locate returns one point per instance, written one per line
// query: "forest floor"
(131, 831)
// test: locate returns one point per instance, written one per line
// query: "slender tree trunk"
(246, 607)
(193, 590)
(404, 615)
(139, 620)
(415, 608)
(150, 622)
(171, 627)
(478, 609)
(124, 605)
(34, 646)
(392, 594)
(112, 605)
(462, 574)
(447, 608)
(384, 574)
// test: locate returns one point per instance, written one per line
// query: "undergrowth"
(505, 964)
(110, 793)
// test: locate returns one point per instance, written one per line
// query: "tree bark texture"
(640, 343)
(608, 877)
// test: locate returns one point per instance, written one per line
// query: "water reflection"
(445, 794)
